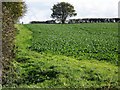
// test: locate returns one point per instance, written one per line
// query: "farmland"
(67, 55)
(94, 41)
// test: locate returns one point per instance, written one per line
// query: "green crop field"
(67, 55)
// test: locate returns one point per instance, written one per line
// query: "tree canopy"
(63, 10)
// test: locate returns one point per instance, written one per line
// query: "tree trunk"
(63, 21)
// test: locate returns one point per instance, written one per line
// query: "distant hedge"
(84, 20)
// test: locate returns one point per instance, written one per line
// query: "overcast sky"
(40, 10)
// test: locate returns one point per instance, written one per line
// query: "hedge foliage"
(12, 12)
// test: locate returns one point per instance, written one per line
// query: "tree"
(63, 10)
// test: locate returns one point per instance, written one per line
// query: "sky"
(40, 10)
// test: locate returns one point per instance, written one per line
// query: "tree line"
(84, 20)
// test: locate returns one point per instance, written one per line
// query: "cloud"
(40, 9)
